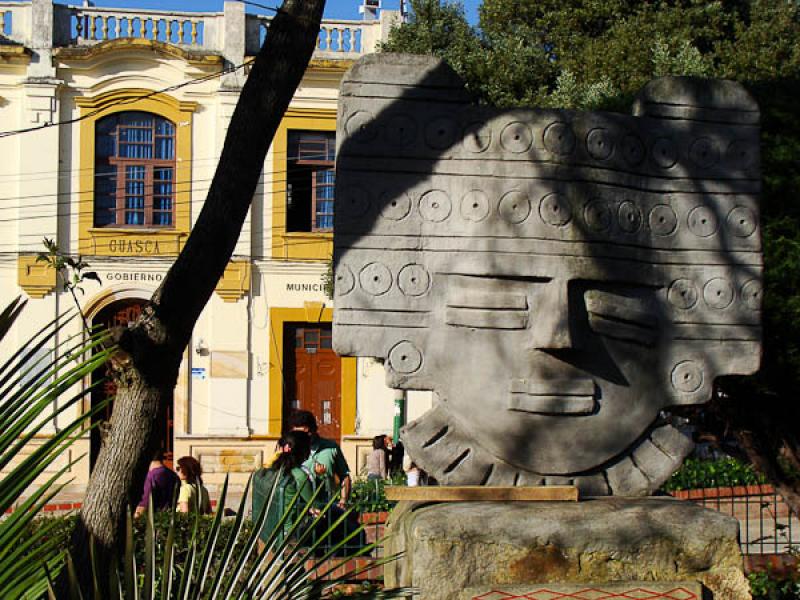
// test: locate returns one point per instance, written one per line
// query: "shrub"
(769, 586)
(61, 527)
(696, 473)
(370, 496)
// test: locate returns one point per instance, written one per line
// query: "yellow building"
(112, 121)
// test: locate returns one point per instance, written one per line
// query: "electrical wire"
(257, 5)
(297, 170)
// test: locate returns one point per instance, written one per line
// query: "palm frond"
(32, 390)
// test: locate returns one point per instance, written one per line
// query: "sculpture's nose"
(551, 319)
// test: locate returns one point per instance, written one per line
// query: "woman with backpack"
(295, 479)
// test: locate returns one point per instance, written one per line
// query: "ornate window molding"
(141, 241)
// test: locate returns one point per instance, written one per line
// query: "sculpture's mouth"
(553, 396)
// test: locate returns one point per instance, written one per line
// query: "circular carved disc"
(360, 126)
(516, 137)
(405, 358)
(703, 153)
(665, 155)
(740, 154)
(434, 206)
(440, 133)
(345, 281)
(702, 221)
(477, 137)
(630, 217)
(597, 215)
(401, 130)
(682, 293)
(375, 278)
(413, 280)
(687, 376)
(600, 143)
(475, 206)
(751, 294)
(742, 221)
(559, 139)
(662, 220)
(395, 208)
(718, 293)
(555, 210)
(633, 150)
(352, 204)
(515, 207)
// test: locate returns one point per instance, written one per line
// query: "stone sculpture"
(558, 278)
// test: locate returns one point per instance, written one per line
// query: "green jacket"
(328, 453)
(291, 483)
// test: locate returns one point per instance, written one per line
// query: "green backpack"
(263, 480)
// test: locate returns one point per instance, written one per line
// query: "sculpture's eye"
(622, 317)
(488, 311)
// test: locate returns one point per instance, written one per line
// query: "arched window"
(134, 181)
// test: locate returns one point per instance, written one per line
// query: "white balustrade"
(14, 18)
(337, 39)
(90, 25)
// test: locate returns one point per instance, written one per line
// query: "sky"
(334, 9)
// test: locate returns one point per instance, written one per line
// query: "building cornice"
(137, 45)
(14, 53)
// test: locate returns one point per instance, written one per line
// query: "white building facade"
(112, 122)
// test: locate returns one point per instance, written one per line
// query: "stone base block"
(453, 549)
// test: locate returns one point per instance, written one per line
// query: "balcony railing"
(12, 21)
(90, 25)
(337, 39)
(76, 26)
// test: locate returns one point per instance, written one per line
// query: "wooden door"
(314, 376)
(115, 315)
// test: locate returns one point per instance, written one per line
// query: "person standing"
(326, 460)
(159, 485)
(396, 457)
(414, 475)
(193, 496)
(377, 459)
(295, 479)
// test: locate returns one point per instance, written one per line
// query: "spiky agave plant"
(30, 383)
(293, 563)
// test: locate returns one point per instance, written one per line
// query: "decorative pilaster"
(235, 282)
(36, 278)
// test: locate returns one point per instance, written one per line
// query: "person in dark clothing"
(326, 460)
(396, 458)
(159, 485)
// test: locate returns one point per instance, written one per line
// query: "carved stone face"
(558, 279)
(559, 374)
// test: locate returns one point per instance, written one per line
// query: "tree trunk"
(146, 368)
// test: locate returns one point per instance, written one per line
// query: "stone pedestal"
(471, 549)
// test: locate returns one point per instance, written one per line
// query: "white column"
(42, 39)
(233, 42)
